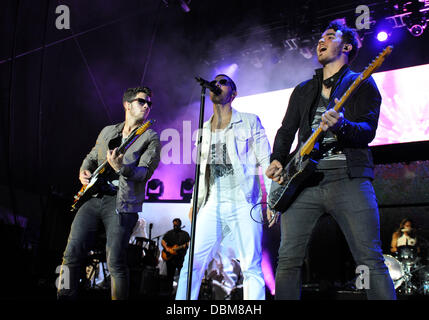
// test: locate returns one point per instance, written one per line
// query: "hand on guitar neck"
(332, 119)
(115, 159)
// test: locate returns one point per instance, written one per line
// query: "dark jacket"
(139, 162)
(361, 112)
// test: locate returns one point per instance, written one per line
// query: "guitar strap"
(335, 82)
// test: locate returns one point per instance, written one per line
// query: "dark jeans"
(118, 231)
(353, 204)
(173, 264)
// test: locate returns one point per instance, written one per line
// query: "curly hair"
(349, 36)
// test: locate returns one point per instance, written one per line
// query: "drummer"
(404, 236)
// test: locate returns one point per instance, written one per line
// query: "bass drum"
(407, 254)
(395, 270)
(424, 280)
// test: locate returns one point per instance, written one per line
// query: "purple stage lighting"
(382, 36)
(229, 70)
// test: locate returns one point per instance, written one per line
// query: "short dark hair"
(233, 86)
(178, 220)
(131, 93)
(349, 37)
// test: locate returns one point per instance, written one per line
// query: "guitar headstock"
(376, 63)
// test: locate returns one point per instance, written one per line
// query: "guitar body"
(295, 174)
(86, 192)
(167, 255)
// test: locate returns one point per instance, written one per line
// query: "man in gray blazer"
(119, 198)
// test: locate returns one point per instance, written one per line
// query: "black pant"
(118, 231)
(353, 204)
(175, 263)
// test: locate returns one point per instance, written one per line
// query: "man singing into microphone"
(234, 146)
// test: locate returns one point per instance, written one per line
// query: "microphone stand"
(150, 230)
(195, 198)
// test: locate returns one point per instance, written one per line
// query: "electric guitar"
(96, 179)
(305, 158)
(168, 255)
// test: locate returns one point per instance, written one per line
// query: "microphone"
(182, 227)
(213, 88)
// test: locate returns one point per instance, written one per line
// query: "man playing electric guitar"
(118, 198)
(341, 184)
(175, 243)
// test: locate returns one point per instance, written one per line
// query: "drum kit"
(409, 271)
(222, 283)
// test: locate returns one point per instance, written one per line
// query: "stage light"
(382, 36)
(417, 29)
(153, 185)
(186, 189)
(291, 44)
(414, 15)
(306, 53)
(256, 62)
(416, 23)
(229, 70)
(185, 5)
(383, 29)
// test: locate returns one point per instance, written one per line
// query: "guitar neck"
(125, 145)
(133, 136)
(180, 247)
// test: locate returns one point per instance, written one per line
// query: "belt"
(332, 152)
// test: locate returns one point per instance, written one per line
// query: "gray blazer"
(139, 162)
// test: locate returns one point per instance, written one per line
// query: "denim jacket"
(248, 148)
(139, 162)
